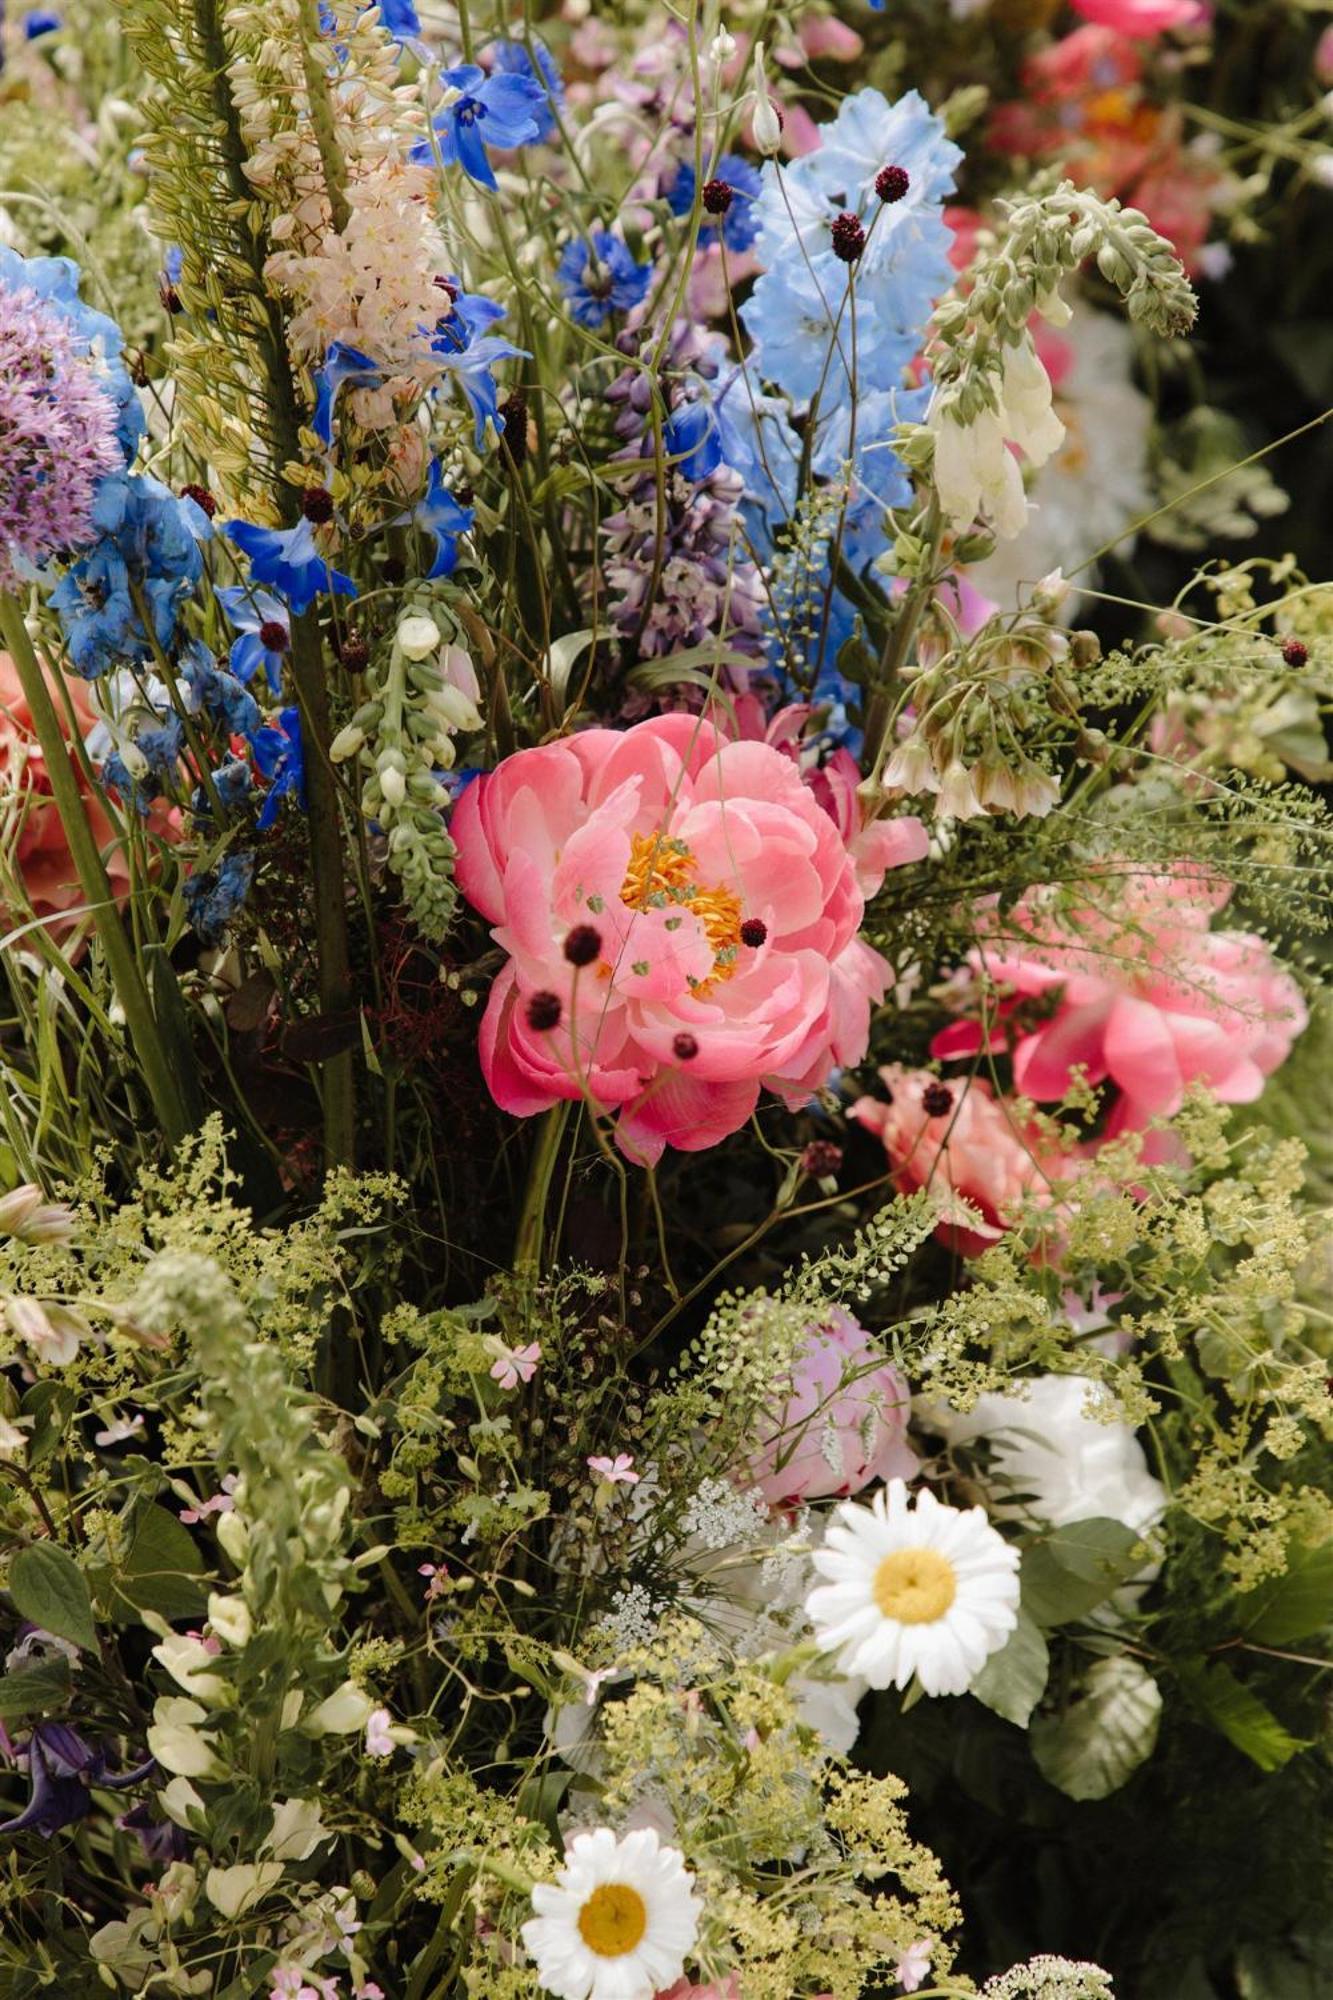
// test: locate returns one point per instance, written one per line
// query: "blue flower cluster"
(738, 227)
(598, 275)
(144, 565)
(504, 110)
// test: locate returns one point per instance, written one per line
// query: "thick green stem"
(879, 709)
(528, 1243)
(163, 1087)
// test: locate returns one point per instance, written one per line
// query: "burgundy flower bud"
(544, 1012)
(1294, 653)
(202, 498)
(685, 1047)
(937, 1100)
(849, 237)
(317, 504)
(892, 183)
(821, 1158)
(753, 932)
(718, 196)
(583, 944)
(273, 637)
(354, 651)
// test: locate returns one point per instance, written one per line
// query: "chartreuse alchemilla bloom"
(918, 1591)
(617, 1923)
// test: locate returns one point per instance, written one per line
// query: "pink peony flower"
(958, 1139)
(681, 917)
(1142, 18)
(715, 1989)
(842, 1423)
(1145, 996)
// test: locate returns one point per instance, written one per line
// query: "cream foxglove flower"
(930, 1591)
(618, 1921)
(975, 471)
(1026, 411)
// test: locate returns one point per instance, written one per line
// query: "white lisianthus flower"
(924, 1590)
(617, 1923)
(975, 471)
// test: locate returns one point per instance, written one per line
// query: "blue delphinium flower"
(440, 517)
(690, 436)
(799, 313)
(501, 111)
(280, 757)
(214, 692)
(598, 276)
(264, 625)
(738, 227)
(287, 559)
(146, 559)
(231, 782)
(342, 363)
(878, 480)
(40, 22)
(469, 352)
(213, 897)
(399, 17)
(516, 59)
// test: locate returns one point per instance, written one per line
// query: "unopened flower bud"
(766, 126)
(418, 637)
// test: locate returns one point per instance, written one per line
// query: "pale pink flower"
(1143, 18)
(217, 1503)
(681, 917)
(438, 1577)
(913, 1965)
(379, 1740)
(617, 1471)
(726, 1988)
(1147, 997)
(517, 1364)
(840, 1423)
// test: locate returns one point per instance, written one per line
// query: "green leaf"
(161, 1568)
(1075, 1568)
(1106, 1732)
(1239, 1714)
(1013, 1680)
(50, 1404)
(51, 1590)
(1298, 1602)
(30, 1690)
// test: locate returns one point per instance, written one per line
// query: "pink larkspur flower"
(617, 1471)
(1146, 997)
(725, 906)
(841, 1423)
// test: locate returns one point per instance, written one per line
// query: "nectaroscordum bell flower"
(726, 905)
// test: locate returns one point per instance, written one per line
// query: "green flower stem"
(888, 680)
(528, 1243)
(163, 1087)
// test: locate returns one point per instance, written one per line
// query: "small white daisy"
(926, 1590)
(618, 1921)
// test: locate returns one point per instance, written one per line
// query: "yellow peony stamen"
(915, 1586)
(661, 873)
(613, 1920)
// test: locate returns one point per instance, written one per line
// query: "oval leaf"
(1013, 1680)
(50, 1590)
(1106, 1732)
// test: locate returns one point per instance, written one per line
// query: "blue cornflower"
(517, 59)
(287, 559)
(598, 276)
(691, 438)
(62, 1769)
(213, 897)
(40, 22)
(264, 624)
(470, 353)
(341, 364)
(147, 548)
(500, 111)
(280, 757)
(438, 515)
(738, 227)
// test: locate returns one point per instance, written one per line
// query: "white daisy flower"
(618, 1921)
(926, 1590)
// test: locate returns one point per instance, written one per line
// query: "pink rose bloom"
(1144, 18)
(958, 1139)
(1146, 996)
(41, 852)
(681, 917)
(843, 1423)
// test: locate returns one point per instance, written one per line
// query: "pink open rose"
(1139, 992)
(681, 917)
(839, 1421)
(41, 856)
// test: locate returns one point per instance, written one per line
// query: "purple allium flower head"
(58, 432)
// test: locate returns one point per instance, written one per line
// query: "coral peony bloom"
(40, 853)
(1145, 996)
(681, 919)
(842, 1422)
(959, 1140)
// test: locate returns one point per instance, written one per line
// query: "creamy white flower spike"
(924, 1590)
(617, 1923)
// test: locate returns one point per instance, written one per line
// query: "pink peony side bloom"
(842, 1423)
(715, 1989)
(681, 916)
(958, 1139)
(1143, 18)
(1146, 996)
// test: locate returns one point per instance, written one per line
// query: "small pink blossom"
(438, 1583)
(839, 1421)
(727, 1988)
(1142, 18)
(617, 1471)
(379, 1739)
(913, 1965)
(517, 1364)
(217, 1503)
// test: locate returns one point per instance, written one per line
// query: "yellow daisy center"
(661, 874)
(613, 1920)
(915, 1586)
